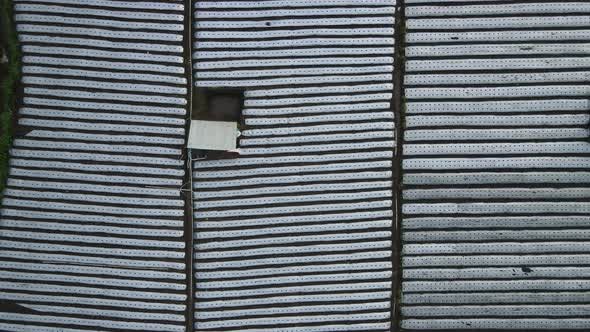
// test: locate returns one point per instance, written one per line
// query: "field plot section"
(295, 233)
(496, 165)
(91, 226)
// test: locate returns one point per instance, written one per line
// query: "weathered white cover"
(496, 211)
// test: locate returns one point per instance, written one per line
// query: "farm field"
(409, 165)
(92, 220)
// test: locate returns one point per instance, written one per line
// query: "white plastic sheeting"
(295, 234)
(92, 218)
(496, 159)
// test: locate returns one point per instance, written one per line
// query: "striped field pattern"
(496, 165)
(295, 233)
(91, 232)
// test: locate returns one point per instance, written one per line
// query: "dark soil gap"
(187, 189)
(398, 109)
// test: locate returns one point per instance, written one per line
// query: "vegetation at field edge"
(9, 76)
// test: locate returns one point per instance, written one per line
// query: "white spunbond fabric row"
(92, 216)
(496, 181)
(295, 234)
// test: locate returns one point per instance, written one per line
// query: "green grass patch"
(9, 76)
